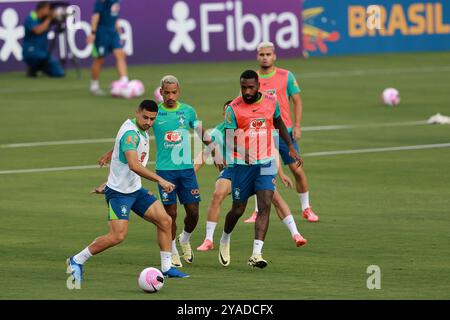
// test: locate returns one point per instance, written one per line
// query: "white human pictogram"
(181, 25)
(10, 33)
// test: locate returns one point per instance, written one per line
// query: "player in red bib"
(282, 84)
(250, 121)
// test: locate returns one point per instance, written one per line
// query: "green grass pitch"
(390, 209)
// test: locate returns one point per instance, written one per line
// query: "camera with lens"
(61, 11)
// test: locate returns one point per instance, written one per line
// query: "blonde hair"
(266, 44)
(169, 79)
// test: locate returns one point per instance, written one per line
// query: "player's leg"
(264, 187)
(242, 187)
(301, 185)
(99, 52)
(252, 218)
(301, 182)
(119, 206)
(285, 215)
(221, 191)
(171, 210)
(96, 68)
(121, 64)
(233, 216)
(120, 56)
(261, 226)
(156, 214)
(169, 200)
(189, 195)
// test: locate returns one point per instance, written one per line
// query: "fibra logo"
(231, 21)
(11, 32)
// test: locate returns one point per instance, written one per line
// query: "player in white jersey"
(124, 192)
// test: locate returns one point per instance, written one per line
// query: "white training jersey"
(121, 178)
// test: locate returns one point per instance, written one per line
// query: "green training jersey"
(173, 143)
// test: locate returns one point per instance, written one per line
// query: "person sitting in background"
(36, 53)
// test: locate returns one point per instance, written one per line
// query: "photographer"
(36, 52)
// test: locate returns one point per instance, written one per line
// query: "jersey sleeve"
(193, 121)
(292, 85)
(129, 141)
(277, 111)
(31, 22)
(230, 119)
(98, 6)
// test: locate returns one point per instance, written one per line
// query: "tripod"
(66, 52)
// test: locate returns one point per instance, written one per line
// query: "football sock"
(210, 227)
(184, 237)
(225, 237)
(123, 79)
(95, 85)
(166, 260)
(83, 256)
(290, 224)
(257, 246)
(174, 247)
(304, 199)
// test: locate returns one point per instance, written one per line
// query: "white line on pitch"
(401, 148)
(110, 140)
(55, 143)
(313, 154)
(373, 125)
(54, 169)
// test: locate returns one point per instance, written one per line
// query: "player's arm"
(284, 134)
(106, 158)
(100, 189)
(94, 25)
(117, 26)
(298, 114)
(206, 139)
(293, 92)
(285, 180)
(136, 166)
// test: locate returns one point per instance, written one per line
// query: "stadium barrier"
(167, 31)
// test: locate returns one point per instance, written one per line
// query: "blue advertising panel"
(372, 26)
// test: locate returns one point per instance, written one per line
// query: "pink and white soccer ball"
(134, 89)
(128, 90)
(117, 87)
(390, 97)
(157, 95)
(151, 280)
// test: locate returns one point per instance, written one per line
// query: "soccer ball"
(157, 95)
(117, 87)
(132, 89)
(151, 280)
(390, 97)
